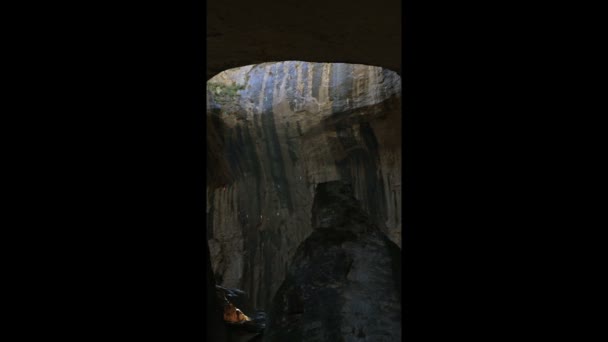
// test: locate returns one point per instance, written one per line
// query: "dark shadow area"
(113, 172)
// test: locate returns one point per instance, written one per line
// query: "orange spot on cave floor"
(233, 315)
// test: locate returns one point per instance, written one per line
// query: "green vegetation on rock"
(224, 93)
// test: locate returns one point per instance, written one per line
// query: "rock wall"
(216, 330)
(281, 129)
(344, 283)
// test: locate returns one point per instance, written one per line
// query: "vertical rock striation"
(278, 130)
(215, 326)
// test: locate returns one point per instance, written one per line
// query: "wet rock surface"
(344, 283)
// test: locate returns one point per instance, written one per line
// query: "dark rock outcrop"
(344, 283)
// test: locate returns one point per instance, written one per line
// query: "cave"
(136, 229)
(276, 132)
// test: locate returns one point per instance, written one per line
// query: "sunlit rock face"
(344, 281)
(275, 131)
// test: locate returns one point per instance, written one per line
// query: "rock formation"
(344, 283)
(275, 131)
(215, 330)
(241, 32)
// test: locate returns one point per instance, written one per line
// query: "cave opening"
(277, 130)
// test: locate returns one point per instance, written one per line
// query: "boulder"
(344, 282)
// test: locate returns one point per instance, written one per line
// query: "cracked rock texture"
(275, 131)
(344, 283)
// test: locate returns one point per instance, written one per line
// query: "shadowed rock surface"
(216, 330)
(248, 331)
(276, 131)
(241, 32)
(250, 244)
(344, 283)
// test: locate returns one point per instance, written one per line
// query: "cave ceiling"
(243, 33)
